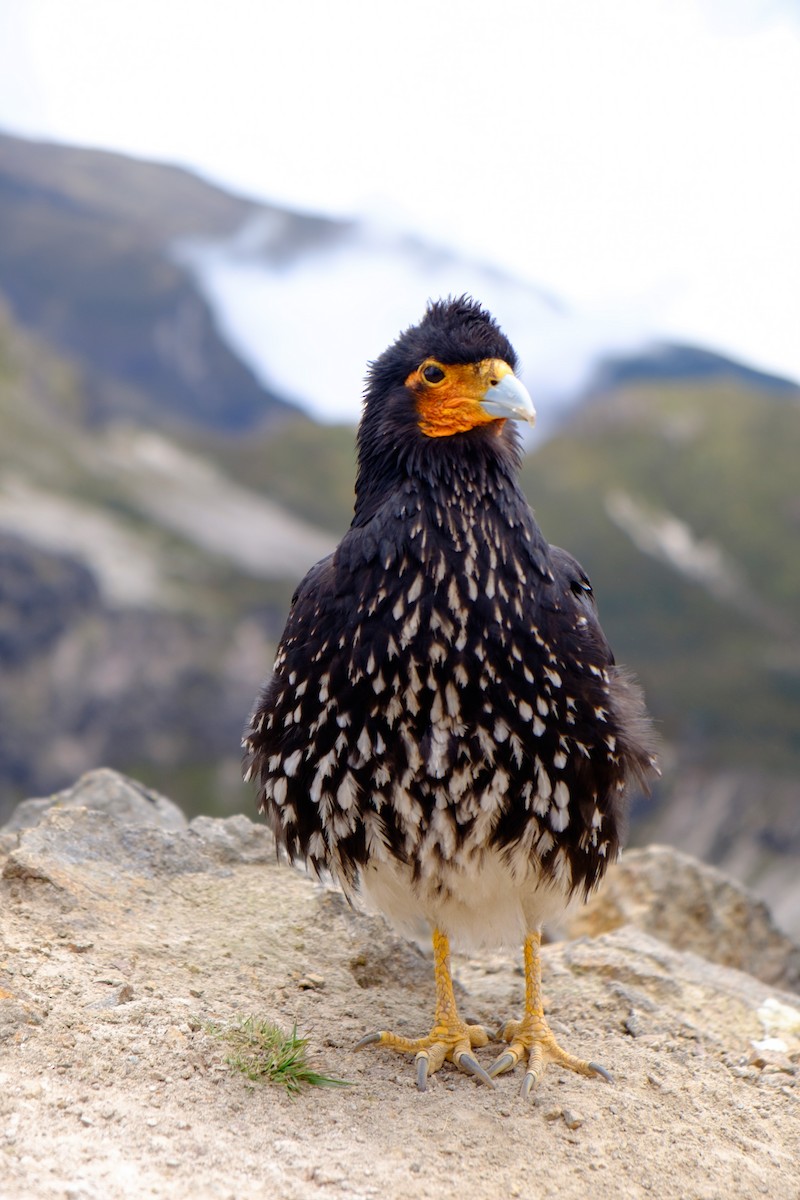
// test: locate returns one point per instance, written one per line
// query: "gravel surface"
(119, 944)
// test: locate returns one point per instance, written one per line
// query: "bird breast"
(422, 711)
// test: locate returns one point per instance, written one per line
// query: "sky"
(635, 153)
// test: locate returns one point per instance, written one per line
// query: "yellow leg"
(450, 1038)
(532, 1035)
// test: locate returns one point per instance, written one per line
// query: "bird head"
(451, 373)
(441, 398)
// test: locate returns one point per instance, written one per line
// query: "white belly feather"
(492, 903)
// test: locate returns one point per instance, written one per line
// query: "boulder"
(124, 946)
(693, 907)
(104, 791)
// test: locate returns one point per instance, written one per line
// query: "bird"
(445, 731)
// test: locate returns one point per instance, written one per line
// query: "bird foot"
(448, 1041)
(533, 1037)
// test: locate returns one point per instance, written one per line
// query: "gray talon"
(369, 1039)
(602, 1072)
(528, 1084)
(422, 1072)
(467, 1063)
(504, 1063)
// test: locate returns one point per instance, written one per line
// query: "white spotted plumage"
(445, 726)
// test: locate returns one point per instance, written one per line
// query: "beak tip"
(510, 399)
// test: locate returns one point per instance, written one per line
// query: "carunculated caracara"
(445, 729)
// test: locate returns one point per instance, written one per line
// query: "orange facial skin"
(452, 404)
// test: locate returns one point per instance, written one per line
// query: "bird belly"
(493, 901)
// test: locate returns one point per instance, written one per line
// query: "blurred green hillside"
(683, 503)
(141, 589)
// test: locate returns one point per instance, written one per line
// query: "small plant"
(264, 1053)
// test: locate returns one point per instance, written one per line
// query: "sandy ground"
(111, 1085)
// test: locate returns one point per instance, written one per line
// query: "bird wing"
(611, 694)
(576, 598)
(315, 731)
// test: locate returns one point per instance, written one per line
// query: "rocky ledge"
(127, 932)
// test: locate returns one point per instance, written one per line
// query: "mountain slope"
(86, 262)
(682, 504)
(665, 362)
(141, 590)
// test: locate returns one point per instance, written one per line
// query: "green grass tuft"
(262, 1052)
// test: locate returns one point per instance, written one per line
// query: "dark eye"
(433, 374)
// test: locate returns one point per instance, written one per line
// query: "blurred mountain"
(669, 362)
(682, 501)
(141, 589)
(85, 262)
(158, 503)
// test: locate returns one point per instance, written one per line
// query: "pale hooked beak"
(509, 398)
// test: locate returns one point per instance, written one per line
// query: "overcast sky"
(643, 152)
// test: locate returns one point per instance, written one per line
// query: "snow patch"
(307, 318)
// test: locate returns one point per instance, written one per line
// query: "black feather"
(445, 641)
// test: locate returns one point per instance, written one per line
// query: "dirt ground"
(116, 951)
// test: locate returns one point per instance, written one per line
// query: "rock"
(108, 826)
(17, 1010)
(693, 907)
(122, 946)
(235, 839)
(90, 854)
(104, 791)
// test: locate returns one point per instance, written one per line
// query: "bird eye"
(432, 373)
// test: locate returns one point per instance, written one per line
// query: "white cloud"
(612, 152)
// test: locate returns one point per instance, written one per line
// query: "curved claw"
(465, 1062)
(505, 1062)
(422, 1062)
(528, 1084)
(602, 1072)
(369, 1039)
